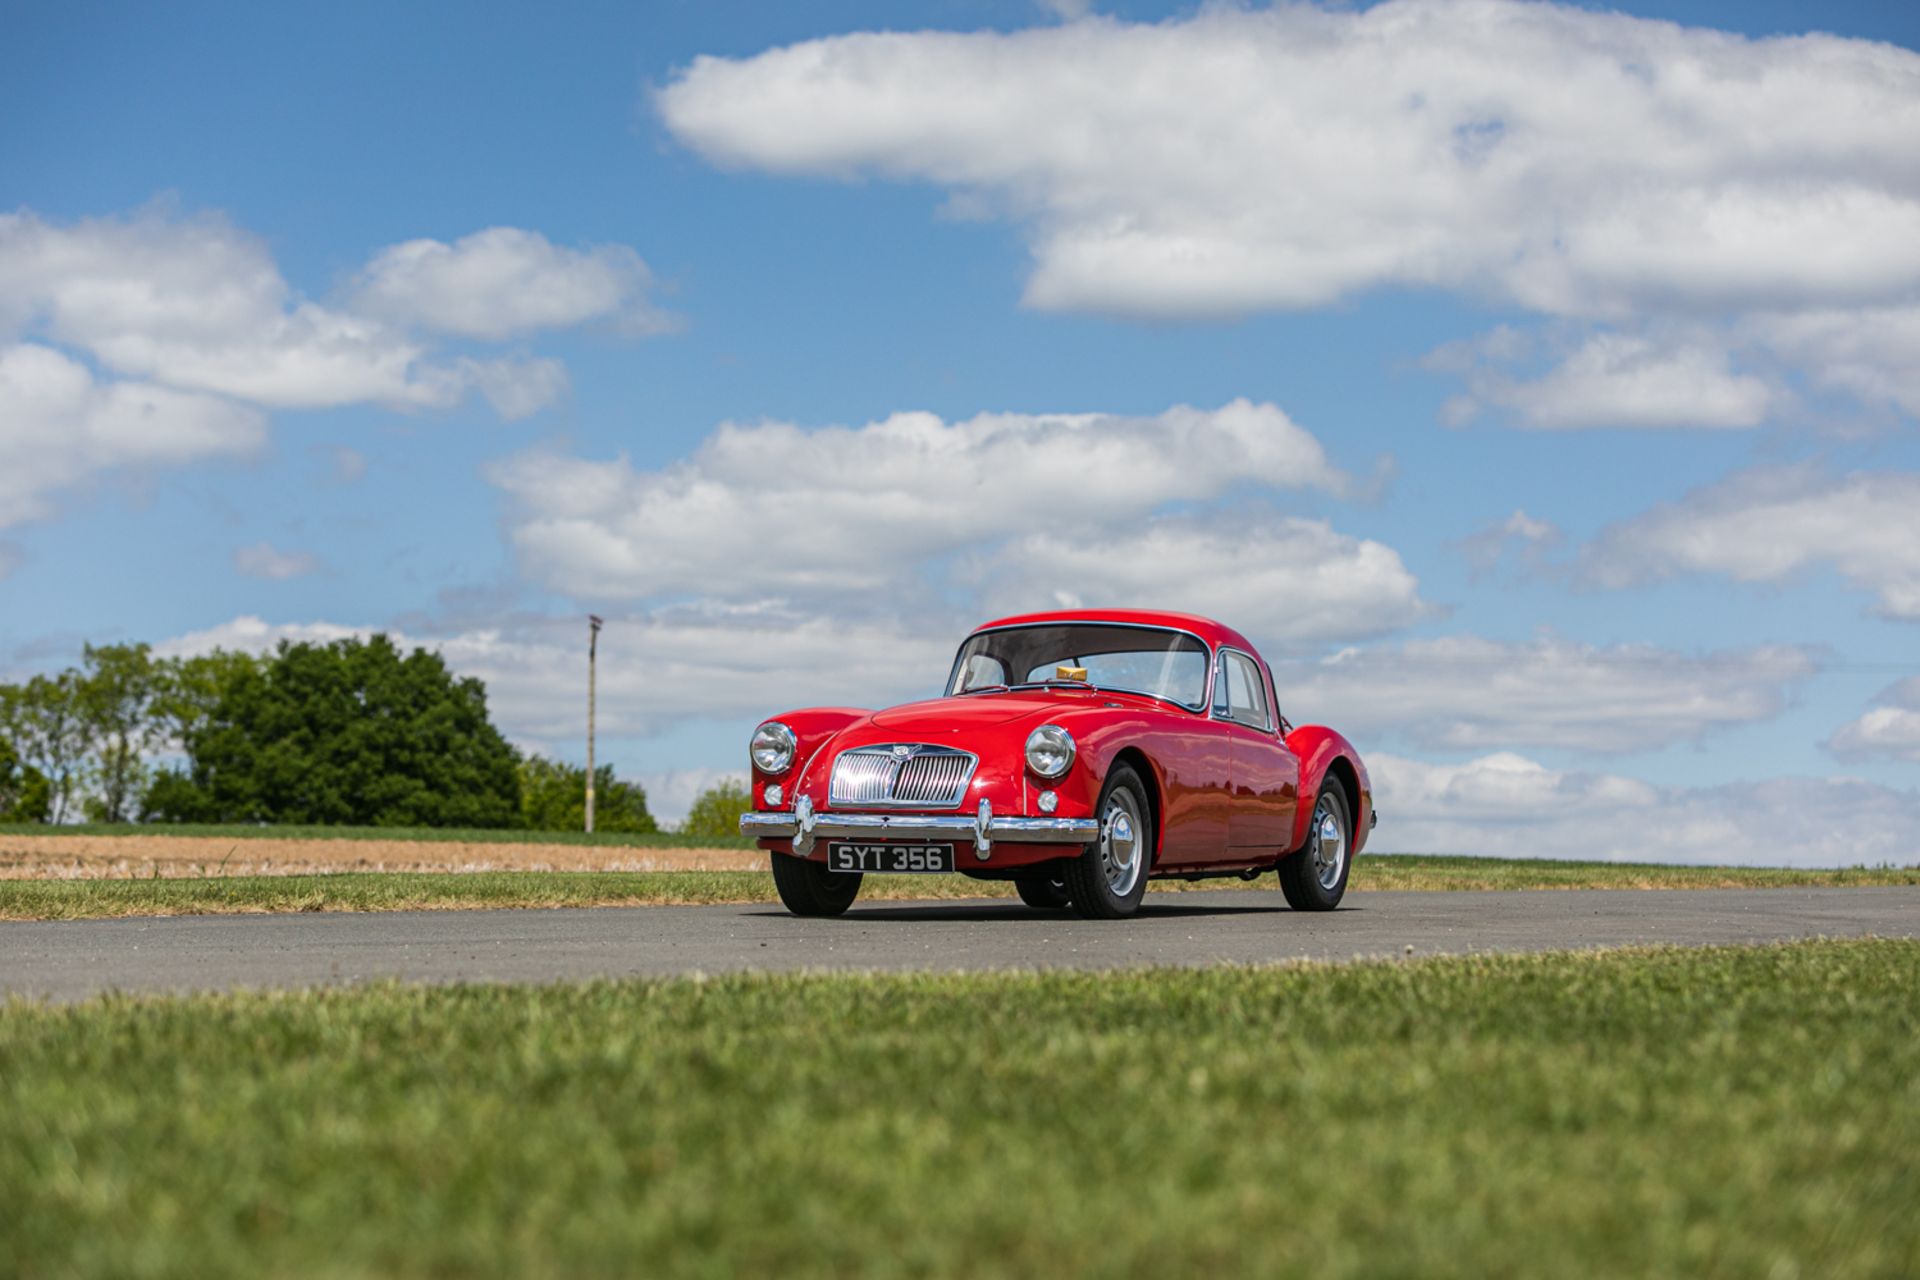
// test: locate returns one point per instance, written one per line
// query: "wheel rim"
(1121, 841)
(1329, 844)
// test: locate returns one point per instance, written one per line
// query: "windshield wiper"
(984, 688)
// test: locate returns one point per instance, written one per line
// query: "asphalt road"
(72, 959)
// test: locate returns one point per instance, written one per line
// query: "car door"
(1266, 775)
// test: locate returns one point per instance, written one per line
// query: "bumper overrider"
(804, 826)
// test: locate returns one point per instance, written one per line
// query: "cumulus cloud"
(198, 304)
(1464, 692)
(61, 429)
(1890, 730)
(1288, 581)
(1507, 805)
(1629, 380)
(1568, 161)
(1872, 353)
(262, 560)
(655, 668)
(505, 282)
(1771, 523)
(670, 794)
(772, 508)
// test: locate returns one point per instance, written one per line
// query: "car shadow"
(1019, 913)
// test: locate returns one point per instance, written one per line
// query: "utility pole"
(593, 654)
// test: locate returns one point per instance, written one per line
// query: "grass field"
(396, 891)
(430, 835)
(1735, 1112)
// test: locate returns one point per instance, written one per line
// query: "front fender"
(813, 728)
(1322, 750)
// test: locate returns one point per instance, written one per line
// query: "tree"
(116, 694)
(351, 732)
(46, 724)
(25, 794)
(192, 687)
(553, 797)
(716, 814)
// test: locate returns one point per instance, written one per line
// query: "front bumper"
(803, 826)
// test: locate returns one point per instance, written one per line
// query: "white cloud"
(1570, 161)
(1288, 581)
(1872, 353)
(670, 795)
(1531, 536)
(1510, 806)
(261, 560)
(504, 282)
(771, 508)
(60, 429)
(655, 669)
(1769, 524)
(516, 387)
(1890, 730)
(198, 304)
(1625, 380)
(1463, 692)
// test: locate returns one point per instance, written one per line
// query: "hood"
(937, 717)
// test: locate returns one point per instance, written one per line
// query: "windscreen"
(1163, 664)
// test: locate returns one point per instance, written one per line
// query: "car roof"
(1213, 633)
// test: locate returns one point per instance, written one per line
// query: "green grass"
(420, 891)
(1715, 1112)
(431, 835)
(426, 891)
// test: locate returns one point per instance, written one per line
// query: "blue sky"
(1649, 285)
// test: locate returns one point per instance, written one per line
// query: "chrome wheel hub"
(1120, 844)
(1329, 845)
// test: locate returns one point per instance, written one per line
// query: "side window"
(1220, 708)
(1246, 693)
(981, 672)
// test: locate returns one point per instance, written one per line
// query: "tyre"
(809, 889)
(1044, 895)
(1109, 878)
(1315, 878)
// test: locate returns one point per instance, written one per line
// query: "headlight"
(772, 747)
(1049, 751)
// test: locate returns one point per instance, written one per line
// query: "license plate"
(888, 859)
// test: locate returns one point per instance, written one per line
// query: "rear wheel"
(1045, 894)
(1315, 878)
(809, 889)
(1109, 878)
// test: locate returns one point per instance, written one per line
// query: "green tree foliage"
(192, 688)
(25, 793)
(46, 722)
(717, 812)
(348, 732)
(116, 695)
(553, 797)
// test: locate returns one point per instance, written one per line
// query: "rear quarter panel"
(1318, 747)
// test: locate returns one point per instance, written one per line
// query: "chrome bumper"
(803, 826)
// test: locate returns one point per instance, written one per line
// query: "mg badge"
(902, 751)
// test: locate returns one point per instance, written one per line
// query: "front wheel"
(1109, 878)
(809, 889)
(1044, 895)
(1315, 878)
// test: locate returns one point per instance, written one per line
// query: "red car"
(1078, 754)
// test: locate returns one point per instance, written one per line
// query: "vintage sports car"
(1078, 754)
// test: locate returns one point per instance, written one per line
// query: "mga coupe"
(1078, 754)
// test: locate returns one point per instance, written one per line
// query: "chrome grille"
(903, 775)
